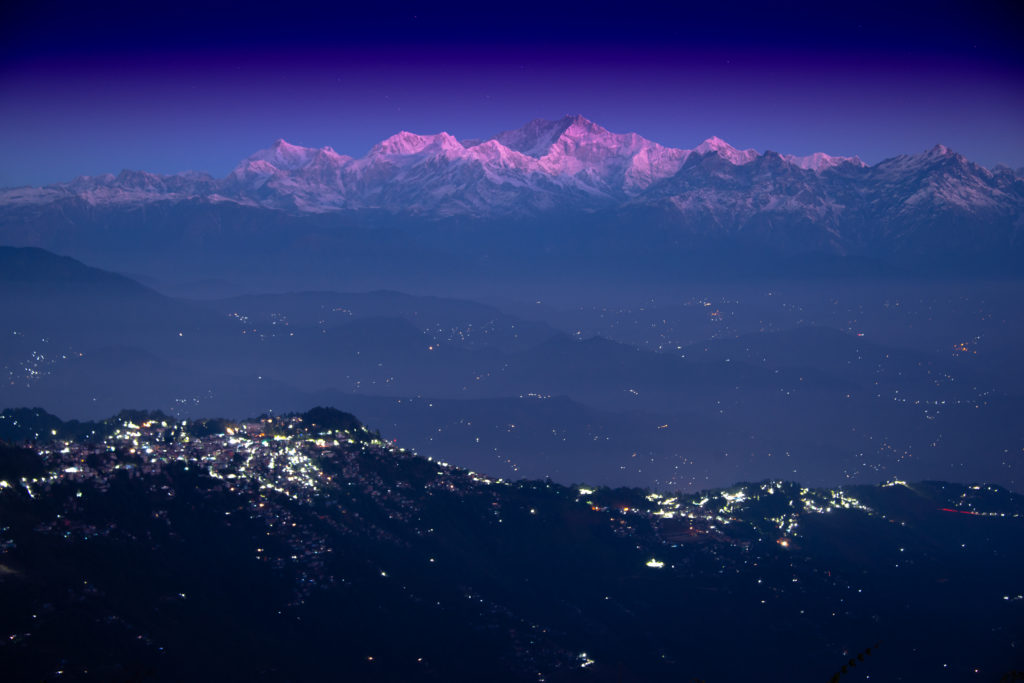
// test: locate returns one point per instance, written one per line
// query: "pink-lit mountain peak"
(570, 161)
(941, 150)
(569, 144)
(819, 161)
(939, 154)
(716, 145)
(405, 143)
(580, 126)
(537, 137)
(285, 156)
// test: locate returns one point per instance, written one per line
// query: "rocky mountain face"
(936, 204)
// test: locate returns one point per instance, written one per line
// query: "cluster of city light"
(272, 460)
(279, 457)
(486, 481)
(837, 499)
(966, 506)
(713, 511)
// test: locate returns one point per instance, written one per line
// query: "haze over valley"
(763, 380)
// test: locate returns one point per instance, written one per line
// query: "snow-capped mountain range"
(570, 161)
(922, 202)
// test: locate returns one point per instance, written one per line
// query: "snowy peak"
(493, 153)
(716, 145)
(284, 156)
(569, 163)
(912, 163)
(536, 137)
(579, 127)
(819, 161)
(406, 143)
(713, 144)
(585, 155)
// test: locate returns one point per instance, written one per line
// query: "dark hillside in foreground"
(306, 548)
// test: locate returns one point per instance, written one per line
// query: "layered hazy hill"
(689, 393)
(553, 196)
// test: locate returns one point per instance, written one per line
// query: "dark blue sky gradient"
(98, 88)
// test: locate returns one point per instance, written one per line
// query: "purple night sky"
(93, 88)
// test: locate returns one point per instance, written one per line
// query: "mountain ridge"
(568, 154)
(547, 194)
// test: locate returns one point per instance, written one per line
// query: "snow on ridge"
(536, 137)
(909, 163)
(716, 145)
(819, 161)
(284, 156)
(569, 160)
(405, 143)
